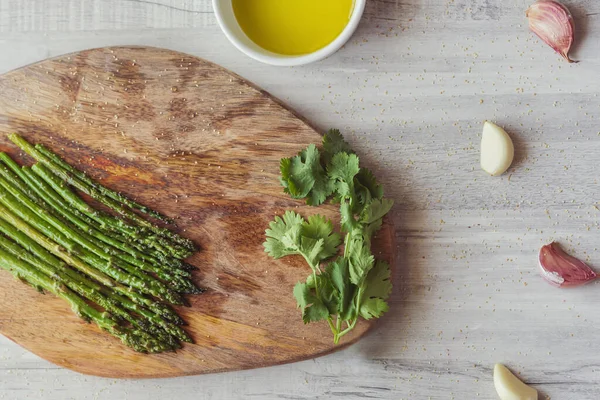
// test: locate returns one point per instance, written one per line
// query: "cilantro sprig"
(353, 285)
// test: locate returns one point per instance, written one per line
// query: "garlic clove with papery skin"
(497, 149)
(553, 23)
(563, 270)
(509, 387)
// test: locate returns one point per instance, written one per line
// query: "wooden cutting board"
(195, 142)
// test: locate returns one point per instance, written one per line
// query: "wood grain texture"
(410, 90)
(200, 145)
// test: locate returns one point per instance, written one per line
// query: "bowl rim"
(288, 61)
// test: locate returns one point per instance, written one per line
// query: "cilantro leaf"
(318, 227)
(311, 250)
(360, 260)
(343, 167)
(315, 312)
(284, 238)
(322, 189)
(303, 176)
(373, 308)
(314, 240)
(347, 220)
(377, 291)
(339, 275)
(295, 181)
(370, 229)
(313, 309)
(303, 293)
(283, 235)
(378, 281)
(328, 293)
(333, 143)
(375, 210)
(367, 187)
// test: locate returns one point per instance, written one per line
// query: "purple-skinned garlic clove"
(563, 270)
(553, 23)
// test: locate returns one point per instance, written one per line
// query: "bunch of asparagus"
(119, 271)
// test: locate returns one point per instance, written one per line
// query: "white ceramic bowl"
(230, 26)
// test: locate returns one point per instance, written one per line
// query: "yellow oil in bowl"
(292, 27)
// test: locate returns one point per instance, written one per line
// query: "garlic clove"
(553, 23)
(561, 269)
(497, 149)
(509, 387)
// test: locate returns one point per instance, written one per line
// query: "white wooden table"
(411, 90)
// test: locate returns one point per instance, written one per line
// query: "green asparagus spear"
(70, 278)
(59, 251)
(96, 194)
(134, 248)
(29, 245)
(59, 162)
(125, 253)
(61, 232)
(103, 296)
(47, 193)
(142, 237)
(138, 340)
(104, 221)
(107, 222)
(86, 289)
(32, 179)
